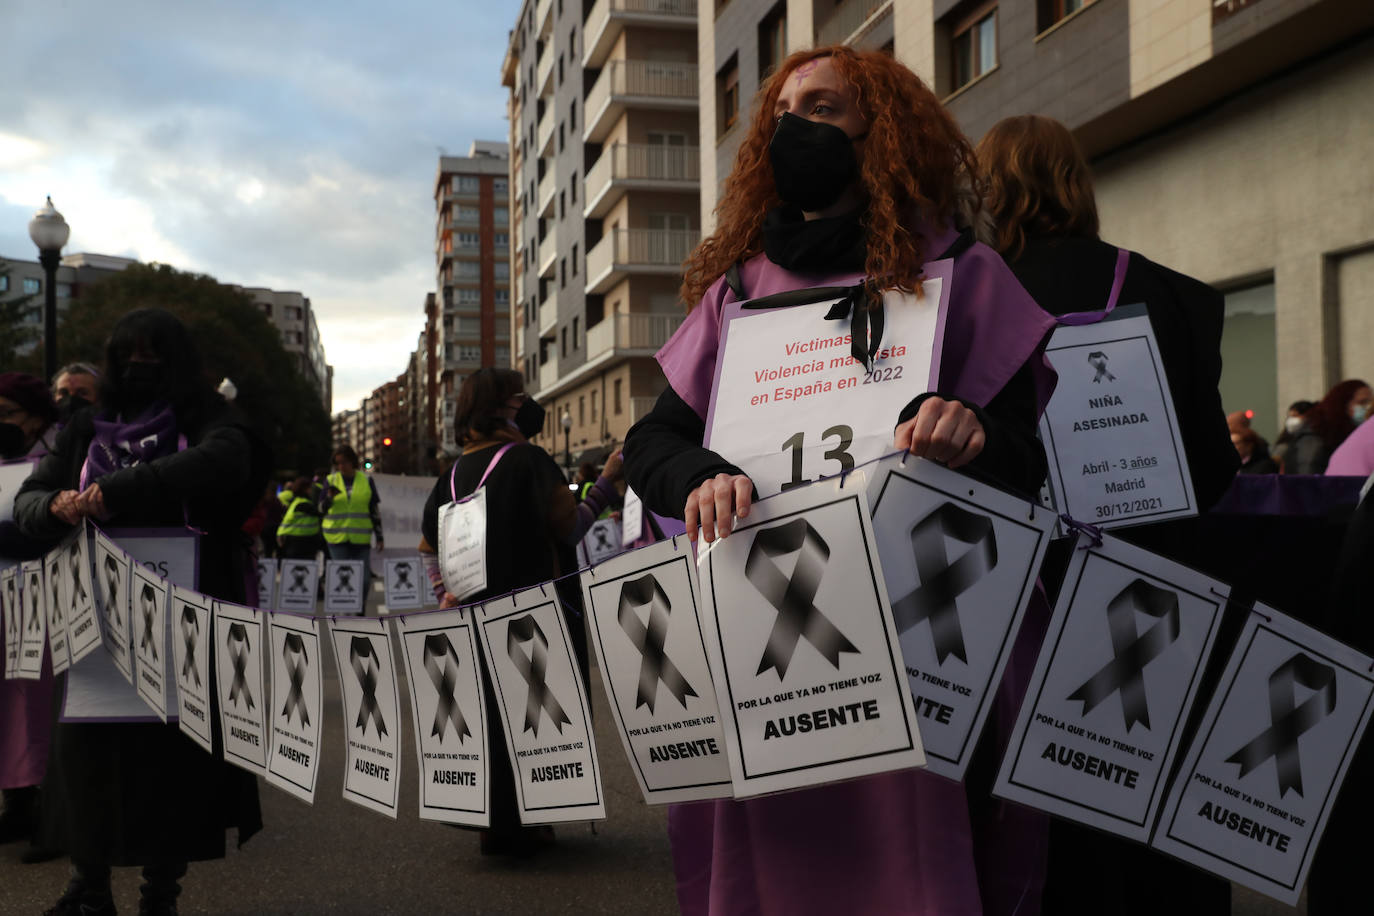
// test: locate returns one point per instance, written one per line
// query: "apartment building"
(1230, 140)
(472, 250)
(294, 319)
(26, 279)
(604, 205)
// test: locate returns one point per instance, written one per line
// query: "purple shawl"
(119, 444)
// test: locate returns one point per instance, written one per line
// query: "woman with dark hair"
(852, 175)
(533, 526)
(1294, 428)
(1330, 422)
(162, 451)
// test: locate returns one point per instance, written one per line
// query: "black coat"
(138, 794)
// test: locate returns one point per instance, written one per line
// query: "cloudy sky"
(286, 144)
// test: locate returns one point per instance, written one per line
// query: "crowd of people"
(850, 174)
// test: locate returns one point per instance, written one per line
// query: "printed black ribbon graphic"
(148, 606)
(78, 590)
(1290, 721)
(298, 579)
(654, 664)
(532, 668)
(343, 582)
(794, 598)
(603, 542)
(239, 648)
(190, 629)
(297, 662)
(366, 664)
(1098, 360)
(942, 581)
(1132, 650)
(403, 576)
(442, 664)
(112, 589)
(32, 593)
(56, 595)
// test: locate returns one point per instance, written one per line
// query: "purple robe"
(902, 842)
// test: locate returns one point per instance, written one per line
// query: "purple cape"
(903, 842)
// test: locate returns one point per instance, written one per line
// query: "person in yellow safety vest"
(350, 509)
(298, 533)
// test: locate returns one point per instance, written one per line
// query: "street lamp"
(49, 232)
(567, 433)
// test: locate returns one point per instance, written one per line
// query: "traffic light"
(386, 442)
(367, 464)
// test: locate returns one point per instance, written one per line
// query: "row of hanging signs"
(852, 626)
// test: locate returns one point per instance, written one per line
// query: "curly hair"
(916, 162)
(1037, 182)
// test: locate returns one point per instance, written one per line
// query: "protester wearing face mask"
(852, 174)
(1355, 456)
(1330, 422)
(75, 387)
(533, 526)
(1293, 426)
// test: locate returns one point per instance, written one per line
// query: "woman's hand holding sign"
(713, 506)
(942, 430)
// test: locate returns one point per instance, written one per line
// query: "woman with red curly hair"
(853, 176)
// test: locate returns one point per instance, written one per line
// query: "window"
(574, 259)
(563, 346)
(572, 115)
(562, 273)
(469, 326)
(503, 296)
(575, 321)
(265, 306)
(500, 186)
(581, 410)
(560, 69)
(615, 392)
(293, 313)
(593, 406)
(572, 188)
(975, 49)
(727, 95)
(469, 270)
(560, 136)
(31, 285)
(470, 353)
(466, 215)
(469, 240)
(501, 240)
(501, 270)
(500, 215)
(467, 184)
(468, 296)
(503, 356)
(1048, 12)
(772, 40)
(562, 201)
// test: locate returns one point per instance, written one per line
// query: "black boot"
(87, 894)
(20, 814)
(160, 889)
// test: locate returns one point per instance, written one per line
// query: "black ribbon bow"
(297, 664)
(1290, 719)
(866, 317)
(941, 582)
(403, 575)
(54, 586)
(343, 582)
(190, 629)
(654, 665)
(1098, 360)
(1132, 650)
(794, 596)
(532, 668)
(78, 590)
(366, 663)
(239, 647)
(298, 579)
(441, 662)
(35, 623)
(149, 641)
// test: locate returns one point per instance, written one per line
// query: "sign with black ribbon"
(83, 625)
(191, 660)
(802, 645)
(112, 591)
(960, 559)
(1102, 721)
(372, 718)
(1260, 778)
(343, 587)
(149, 595)
(642, 607)
(295, 711)
(543, 706)
(602, 541)
(35, 624)
(405, 578)
(55, 608)
(239, 644)
(14, 619)
(449, 715)
(267, 583)
(299, 579)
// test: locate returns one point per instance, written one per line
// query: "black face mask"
(529, 418)
(141, 382)
(813, 163)
(11, 441)
(68, 406)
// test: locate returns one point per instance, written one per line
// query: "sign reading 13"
(796, 443)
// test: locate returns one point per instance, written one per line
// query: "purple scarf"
(120, 444)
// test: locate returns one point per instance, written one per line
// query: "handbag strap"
(453, 473)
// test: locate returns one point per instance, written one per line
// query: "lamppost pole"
(49, 232)
(567, 440)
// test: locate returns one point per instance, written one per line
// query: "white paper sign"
(786, 404)
(1259, 780)
(83, 623)
(631, 518)
(191, 658)
(343, 587)
(267, 582)
(1101, 723)
(1110, 431)
(149, 600)
(240, 680)
(404, 576)
(12, 477)
(802, 645)
(372, 717)
(36, 620)
(463, 544)
(55, 606)
(643, 610)
(112, 588)
(602, 540)
(299, 579)
(449, 715)
(296, 711)
(544, 708)
(14, 619)
(961, 560)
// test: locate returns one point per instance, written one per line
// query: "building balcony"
(548, 254)
(850, 17)
(623, 84)
(543, 17)
(543, 134)
(631, 334)
(627, 252)
(547, 187)
(640, 167)
(543, 71)
(548, 374)
(609, 18)
(548, 315)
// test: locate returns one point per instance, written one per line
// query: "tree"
(18, 330)
(236, 341)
